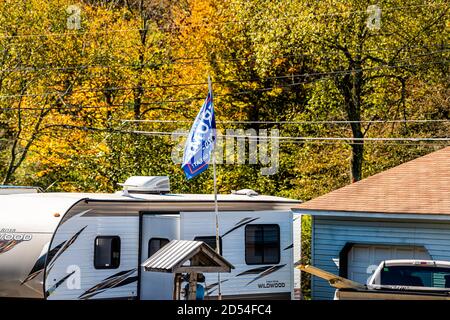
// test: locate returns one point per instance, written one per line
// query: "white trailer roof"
(120, 196)
(42, 212)
(18, 189)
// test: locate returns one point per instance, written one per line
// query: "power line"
(179, 60)
(437, 143)
(160, 102)
(294, 17)
(424, 144)
(115, 105)
(282, 139)
(330, 75)
(286, 138)
(291, 76)
(303, 122)
(298, 122)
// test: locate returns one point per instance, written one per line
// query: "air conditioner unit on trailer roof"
(147, 184)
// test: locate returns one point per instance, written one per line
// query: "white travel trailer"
(18, 189)
(91, 246)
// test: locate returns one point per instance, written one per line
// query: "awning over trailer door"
(183, 256)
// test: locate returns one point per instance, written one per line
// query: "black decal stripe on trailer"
(66, 245)
(74, 215)
(60, 282)
(119, 274)
(40, 263)
(240, 224)
(254, 271)
(261, 271)
(243, 220)
(52, 253)
(116, 280)
(6, 245)
(267, 272)
(214, 285)
(127, 281)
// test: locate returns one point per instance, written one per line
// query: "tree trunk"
(350, 87)
(356, 162)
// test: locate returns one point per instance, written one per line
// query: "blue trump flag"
(201, 140)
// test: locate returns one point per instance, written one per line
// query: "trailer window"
(262, 244)
(107, 252)
(154, 244)
(210, 241)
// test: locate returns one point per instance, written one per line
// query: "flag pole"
(216, 206)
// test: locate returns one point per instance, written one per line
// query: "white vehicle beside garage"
(402, 279)
(91, 246)
(411, 274)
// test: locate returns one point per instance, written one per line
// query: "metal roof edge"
(358, 214)
(287, 202)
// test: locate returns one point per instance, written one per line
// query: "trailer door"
(156, 231)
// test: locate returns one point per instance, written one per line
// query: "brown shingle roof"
(420, 186)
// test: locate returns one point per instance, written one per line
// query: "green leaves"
(270, 60)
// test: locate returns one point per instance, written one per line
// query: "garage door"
(363, 259)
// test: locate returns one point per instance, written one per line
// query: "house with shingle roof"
(401, 213)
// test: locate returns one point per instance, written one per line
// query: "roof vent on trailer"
(147, 184)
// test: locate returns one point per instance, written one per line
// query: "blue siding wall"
(331, 233)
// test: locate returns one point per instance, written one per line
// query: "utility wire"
(269, 122)
(193, 60)
(437, 143)
(389, 143)
(291, 76)
(298, 122)
(281, 139)
(286, 138)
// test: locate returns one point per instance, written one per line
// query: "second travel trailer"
(91, 246)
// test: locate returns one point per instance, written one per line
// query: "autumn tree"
(374, 51)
